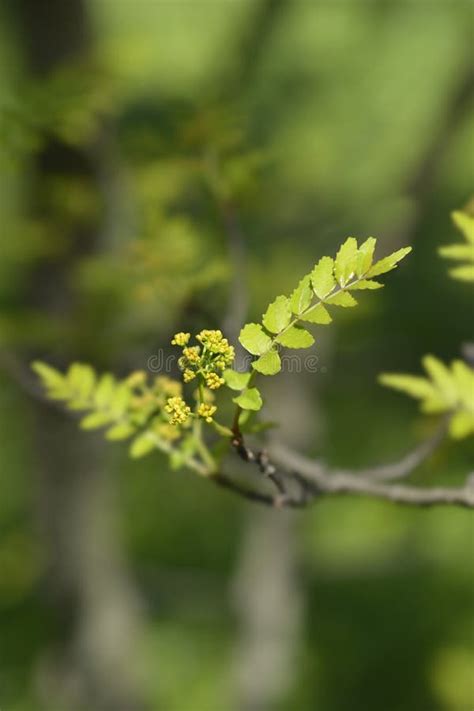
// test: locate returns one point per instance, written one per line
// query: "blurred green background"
(136, 138)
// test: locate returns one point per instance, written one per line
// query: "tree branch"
(385, 472)
(302, 480)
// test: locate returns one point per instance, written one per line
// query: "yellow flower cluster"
(208, 360)
(206, 411)
(213, 381)
(181, 339)
(178, 410)
(215, 342)
(191, 354)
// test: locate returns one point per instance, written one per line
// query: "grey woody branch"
(299, 481)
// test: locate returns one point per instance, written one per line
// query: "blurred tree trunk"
(267, 597)
(268, 602)
(90, 593)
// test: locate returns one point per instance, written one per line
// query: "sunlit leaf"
(268, 364)
(278, 315)
(235, 380)
(254, 339)
(388, 263)
(249, 399)
(346, 261)
(318, 314)
(342, 298)
(365, 256)
(365, 284)
(302, 295)
(322, 277)
(295, 337)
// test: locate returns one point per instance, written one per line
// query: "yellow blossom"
(191, 354)
(178, 410)
(215, 342)
(180, 339)
(188, 375)
(206, 411)
(214, 381)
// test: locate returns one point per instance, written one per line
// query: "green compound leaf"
(365, 256)
(322, 277)
(342, 298)
(268, 364)
(142, 445)
(318, 314)
(346, 261)
(235, 380)
(295, 337)
(254, 339)
(388, 263)
(302, 295)
(249, 399)
(278, 315)
(365, 284)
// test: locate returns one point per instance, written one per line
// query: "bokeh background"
(175, 165)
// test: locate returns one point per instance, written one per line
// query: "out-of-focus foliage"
(68, 105)
(463, 252)
(447, 389)
(124, 407)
